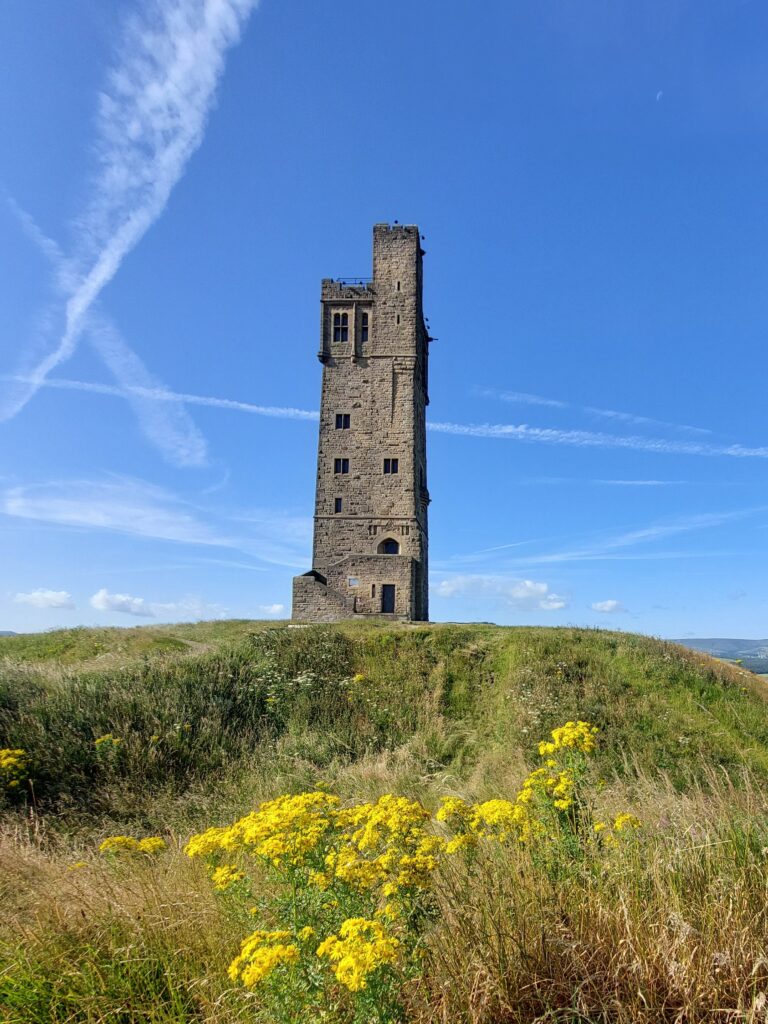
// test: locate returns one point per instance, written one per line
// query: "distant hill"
(7, 632)
(751, 654)
(732, 649)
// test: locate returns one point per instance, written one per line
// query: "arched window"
(389, 547)
(341, 326)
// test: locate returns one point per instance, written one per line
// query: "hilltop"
(163, 731)
(218, 696)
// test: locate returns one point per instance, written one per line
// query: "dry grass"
(671, 928)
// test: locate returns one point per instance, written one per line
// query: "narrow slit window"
(391, 466)
(398, 318)
(342, 421)
(341, 466)
(373, 590)
(364, 328)
(337, 504)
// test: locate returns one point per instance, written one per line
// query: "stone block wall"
(374, 395)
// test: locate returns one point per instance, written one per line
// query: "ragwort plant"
(343, 931)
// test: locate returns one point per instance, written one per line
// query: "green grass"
(463, 699)
(214, 717)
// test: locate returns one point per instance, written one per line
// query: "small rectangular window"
(337, 504)
(342, 421)
(353, 581)
(341, 465)
(373, 590)
(364, 328)
(391, 465)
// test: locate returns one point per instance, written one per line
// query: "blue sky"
(175, 179)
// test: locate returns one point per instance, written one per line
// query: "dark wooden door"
(388, 597)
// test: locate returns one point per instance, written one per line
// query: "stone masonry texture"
(370, 526)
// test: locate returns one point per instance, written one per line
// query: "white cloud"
(190, 607)
(119, 504)
(170, 428)
(591, 439)
(103, 601)
(151, 119)
(46, 599)
(525, 595)
(162, 395)
(523, 398)
(608, 607)
(272, 610)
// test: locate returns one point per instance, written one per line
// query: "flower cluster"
(360, 948)
(283, 831)
(107, 743)
(13, 767)
(225, 876)
(574, 736)
(260, 954)
(127, 844)
(356, 884)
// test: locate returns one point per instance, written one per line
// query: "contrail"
(151, 119)
(163, 395)
(498, 431)
(589, 439)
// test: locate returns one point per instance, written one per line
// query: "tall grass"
(670, 928)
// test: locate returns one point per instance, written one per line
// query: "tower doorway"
(388, 598)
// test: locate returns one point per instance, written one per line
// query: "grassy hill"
(170, 730)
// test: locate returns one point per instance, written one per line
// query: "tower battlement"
(370, 527)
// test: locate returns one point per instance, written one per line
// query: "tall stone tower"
(370, 541)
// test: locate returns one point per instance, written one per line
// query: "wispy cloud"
(590, 439)
(523, 398)
(571, 481)
(151, 119)
(136, 508)
(118, 504)
(497, 431)
(169, 428)
(609, 607)
(103, 601)
(46, 599)
(188, 608)
(162, 395)
(272, 611)
(616, 545)
(525, 595)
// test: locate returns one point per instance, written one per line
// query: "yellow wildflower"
(361, 947)
(225, 876)
(260, 954)
(625, 821)
(119, 844)
(573, 735)
(284, 831)
(305, 934)
(14, 765)
(205, 843)
(126, 844)
(152, 844)
(108, 741)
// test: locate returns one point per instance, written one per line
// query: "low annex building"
(369, 554)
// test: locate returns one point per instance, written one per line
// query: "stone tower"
(369, 555)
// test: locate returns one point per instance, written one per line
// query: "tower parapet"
(370, 527)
